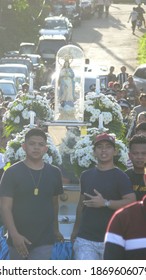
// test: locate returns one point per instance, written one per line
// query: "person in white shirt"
(100, 7)
(107, 4)
(133, 16)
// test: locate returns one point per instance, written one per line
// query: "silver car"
(57, 26)
(8, 88)
(139, 77)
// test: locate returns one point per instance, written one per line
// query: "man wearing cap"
(104, 189)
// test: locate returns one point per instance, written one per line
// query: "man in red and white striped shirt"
(125, 237)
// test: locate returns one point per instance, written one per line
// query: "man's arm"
(58, 235)
(19, 241)
(113, 252)
(98, 201)
(114, 241)
(78, 217)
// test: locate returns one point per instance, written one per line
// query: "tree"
(20, 22)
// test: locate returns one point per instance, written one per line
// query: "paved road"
(110, 41)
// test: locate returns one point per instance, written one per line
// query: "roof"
(52, 37)
(27, 44)
(12, 75)
(5, 81)
(56, 18)
(12, 65)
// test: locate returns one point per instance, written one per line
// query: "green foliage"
(142, 50)
(20, 5)
(17, 116)
(117, 128)
(20, 24)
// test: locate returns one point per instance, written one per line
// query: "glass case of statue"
(69, 85)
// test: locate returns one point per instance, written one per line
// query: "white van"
(14, 68)
(49, 45)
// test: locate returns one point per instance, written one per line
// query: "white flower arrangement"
(18, 112)
(95, 104)
(82, 156)
(14, 152)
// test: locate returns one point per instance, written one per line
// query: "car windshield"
(7, 78)
(35, 60)
(141, 73)
(57, 8)
(55, 24)
(27, 49)
(7, 89)
(14, 70)
(51, 46)
(24, 61)
(70, 7)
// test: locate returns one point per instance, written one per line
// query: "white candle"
(32, 115)
(97, 85)
(100, 121)
(31, 80)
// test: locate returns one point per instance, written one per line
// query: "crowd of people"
(131, 98)
(103, 7)
(109, 197)
(110, 217)
(137, 17)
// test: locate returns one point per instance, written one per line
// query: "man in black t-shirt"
(29, 201)
(141, 13)
(104, 189)
(137, 154)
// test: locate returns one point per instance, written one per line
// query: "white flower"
(17, 119)
(83, 151)
(18, 107)
(107, 117)
(18, 113)
(25, 114)
(14, 152)
(20, 154)
(28, 102)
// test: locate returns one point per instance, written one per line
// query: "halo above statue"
(66, 58)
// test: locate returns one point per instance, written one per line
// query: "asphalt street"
(109, 41)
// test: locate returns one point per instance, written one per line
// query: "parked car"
(38, 68)
(57, 25)
(17, 78)
(88, 8)
(15, 68)
(68, 9)
(8, 88)
(49, 45)
(27, 48)
(139, 77)
(19, 60)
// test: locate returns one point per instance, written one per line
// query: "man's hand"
(95, 201)
(19, 242)
(59, 236)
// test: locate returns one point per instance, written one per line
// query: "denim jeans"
(37, 253)
(87, 250)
